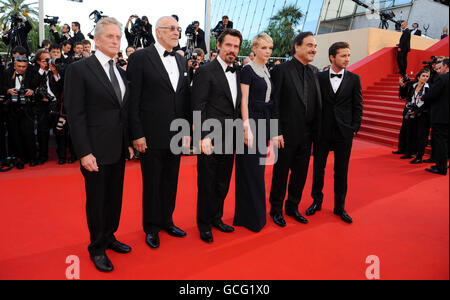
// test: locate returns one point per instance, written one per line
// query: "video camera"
(16, 20)
(52, 21)
(430, 64)
(96, 16)
(191, 29)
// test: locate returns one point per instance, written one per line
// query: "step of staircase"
(383, 116)
(387, 88)
(394, 99)
(382, 123)
(384, 103)
(378, 138)
(381, 92)
(385, 110)
(379, 130)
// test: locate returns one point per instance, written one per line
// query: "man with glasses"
(159, 95)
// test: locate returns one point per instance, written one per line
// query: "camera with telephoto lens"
(139, 25)
(16, 20)
(43, 93)
(430, 64)
(194, 59)
(52, 21)
(57, 62)
(20, 98)
(412, 112)
(191, 29)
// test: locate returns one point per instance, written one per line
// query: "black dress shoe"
(437, 171)
(20, 165)
(224, 227)
(71, 160)
(344, 216)
(398, 152)
(416, 161)
(279, 220)
(119, 247)
(62, 162)
(42, 161)
(407, 156)
(315, 207)
(33, 163)
(207, 237)
(297, 216)
(102, 263)
(152, 240)
(428, 161)
(175, 232)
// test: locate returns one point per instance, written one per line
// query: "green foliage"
(281, 29)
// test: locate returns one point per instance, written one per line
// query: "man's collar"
(102, 58)
(223, 64)
(160, 48)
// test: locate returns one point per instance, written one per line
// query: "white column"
(41, 22)
(208, 24)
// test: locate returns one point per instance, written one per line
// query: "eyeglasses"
(172, 28)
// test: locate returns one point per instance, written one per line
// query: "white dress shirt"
(336, 81)
(19, 81)
(57, 78)
(170, 64)
(231, 78)
(104, 61)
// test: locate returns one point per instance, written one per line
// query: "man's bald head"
(168, 32)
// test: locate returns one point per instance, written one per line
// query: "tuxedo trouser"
(63, 142)
(104, 191)
(21, 129)
(440, 143)
(3, 152)
(402, 60)
(342, 150)
(402, 138)
(160, 171)
(417, 135)
(214, 178)
(43, 130)
(295, 159)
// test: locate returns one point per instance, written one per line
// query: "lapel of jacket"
(239, 92)
(99, 72)
(297, 82)
(156, 61)
(182, 71)
(222, 79)
(127, 85)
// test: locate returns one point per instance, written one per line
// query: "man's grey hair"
(106, 21)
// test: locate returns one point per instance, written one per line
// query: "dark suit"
(211, 95)
(438, 101)
(405, 48)
(21, 117)
(22, 37)
(154, 106)
(297, 106)
(341, 119)
(220, 27)
(418, 32)
(98, 123)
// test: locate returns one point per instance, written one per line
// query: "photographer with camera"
(17, 35)
(195, 61)
(66, 48)
(221, 26)
(19, 84)
(78, 49)
(416, 117)
(196, 36)
(49, 89)
(65, 33)
(78, 37)
(141, 32)
(87, 46)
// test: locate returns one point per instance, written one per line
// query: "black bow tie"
(336, 75)
(167, 53)
(230, 69)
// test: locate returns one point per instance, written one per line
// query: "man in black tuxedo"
(78, 36)
(341, 119)
(404, 47)
(297, 106)
(438, 101)
(216, 94)
(159, 96)
(96, 101)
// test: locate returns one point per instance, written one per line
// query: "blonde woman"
(256, 105)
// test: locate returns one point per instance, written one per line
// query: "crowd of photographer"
(426, 109)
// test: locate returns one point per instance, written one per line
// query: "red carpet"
(401, 215)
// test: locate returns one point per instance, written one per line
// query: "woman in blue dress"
(256, 105)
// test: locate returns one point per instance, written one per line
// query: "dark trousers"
(418, 132)
(402, 60)
(3, 151)
(295, 159)
(63, 142)
(402, 138)
(342, 150)
(160, 170)
(214, 178)
(104, 191)
(21, 129)
(44, 123)
(440, 143)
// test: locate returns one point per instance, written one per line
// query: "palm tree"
(10, 7)
(281, 29)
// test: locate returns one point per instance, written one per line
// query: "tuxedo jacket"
(211, 95)
(418, 32)
(154, 104)
(31, 80)
(437, 99)
(290, 107)
(98, 120)
(346, 105)
(405, 41)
